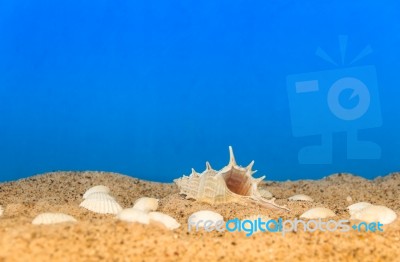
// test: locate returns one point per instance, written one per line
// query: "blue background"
(151, 89)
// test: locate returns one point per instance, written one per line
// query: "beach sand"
(102, 237)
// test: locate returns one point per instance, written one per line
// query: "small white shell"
(1, 211)
(373, 213)
(354, 208)
(52, 218)
(164, 219)
(106, 206)
(198, 218)
(301, 197)
(99, 196)
(96, 189)
(318, 212)
(146, 204)
(349, 199)
(265, 193)
(134, 215)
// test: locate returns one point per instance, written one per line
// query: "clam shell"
(300, 197)
(164, 219)
(52, 218)
(354, 208)
(146, 204)
(99, 196)
(106, 206)
(96, 189)
(265, 193)
(1, 211)
(318, 212)
(198, 218)
(372, 213)
(231, 184)
(133, 215)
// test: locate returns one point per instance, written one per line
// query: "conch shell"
(232, 183)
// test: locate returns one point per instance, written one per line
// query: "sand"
(101, 237)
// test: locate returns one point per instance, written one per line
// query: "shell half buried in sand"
(354, 208)
(101, 206)
(96, 189)
(198, 218)
(232, 183)
(52, 218)
(300, 197)
(373, 213)
(134, 215)
(318, 212)
(164, 219)
(146, 204)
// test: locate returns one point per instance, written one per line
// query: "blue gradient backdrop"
(151, 89)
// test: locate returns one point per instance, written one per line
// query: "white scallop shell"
(99, 196)
(164, 219)
(146, 204)
(198, 218)
(354, 208)
(134, 215)
(318, 212)
(106, 206)
(52, 218)
(373, 213)
(96, 189)
(1, 211)
(301, 197)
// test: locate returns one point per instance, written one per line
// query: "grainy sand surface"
(101, 237)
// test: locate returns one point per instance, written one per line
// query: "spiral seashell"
(96, 189)
(318, 212)
(146, 204)
(52, 218)
(134, 215)
(164, 219)
(105, 206)
(232, 183)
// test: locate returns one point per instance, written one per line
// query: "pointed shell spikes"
(208, 166)
(250, 166)
(232, 161)
(231, 184)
